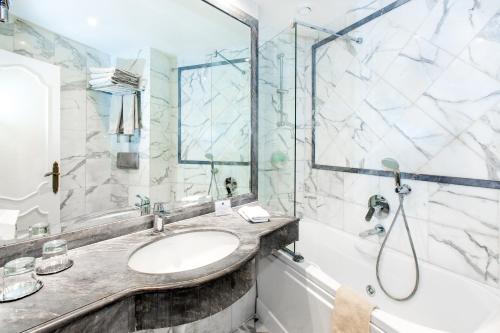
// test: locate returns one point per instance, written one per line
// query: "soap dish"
(53, 269)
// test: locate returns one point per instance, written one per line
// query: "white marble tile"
(330, 211)
(72, 203)
(412, 14)
(396, 144)
(452, 24)
(98, 144)
(73, 106)
(416, 67)
(332, 60)
(483, 51)
(484, 138)
(462, 251)
(72, 143)
(96, 58)
(98, 171)
(424, 134)
(457, 160)
(468, 208)
(356, 83)
(358, 188)
(69, 54)
(382, 44)
(460, 96)
(98, 198)
(33, 41)
(97, 113)
(72, 172)
(348, 147)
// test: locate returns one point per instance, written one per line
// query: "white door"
(29, 143)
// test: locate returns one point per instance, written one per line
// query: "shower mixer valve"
(377, 205)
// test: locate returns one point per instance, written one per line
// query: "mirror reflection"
(114, 106)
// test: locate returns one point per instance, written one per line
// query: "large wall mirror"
(107, 105)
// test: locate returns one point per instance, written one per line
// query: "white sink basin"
(183, 252)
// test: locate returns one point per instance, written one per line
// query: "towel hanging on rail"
(124, 117)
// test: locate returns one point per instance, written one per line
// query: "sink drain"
(370, 290)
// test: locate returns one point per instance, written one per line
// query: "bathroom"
(282, 166)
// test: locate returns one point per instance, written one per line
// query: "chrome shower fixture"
(357, 40)
(393, 165)
(4, 11)
(218, 54)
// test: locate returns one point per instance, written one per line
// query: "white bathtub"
(299, 297)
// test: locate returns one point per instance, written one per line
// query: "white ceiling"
(180, 27)
(277, 15)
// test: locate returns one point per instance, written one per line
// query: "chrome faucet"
(144, 205)
(160, 212)
(377, 205)
(378, 230)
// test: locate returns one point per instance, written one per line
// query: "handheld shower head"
(4, 11)
(393, 165)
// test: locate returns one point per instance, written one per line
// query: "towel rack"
(117, 89)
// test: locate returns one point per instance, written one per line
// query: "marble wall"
(417, 89)
(215, 116)
(90, 181)
(423, 88)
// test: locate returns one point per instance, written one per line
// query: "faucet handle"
(378, 205)
(160, 208)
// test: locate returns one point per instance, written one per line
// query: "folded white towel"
(100, 70)
(254, 214)
(101, 76)
(101, 82)
(8, 223)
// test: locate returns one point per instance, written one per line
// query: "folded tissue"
(254, 214)
(8, 224)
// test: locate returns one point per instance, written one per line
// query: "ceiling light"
(92, 21)
(304, 9)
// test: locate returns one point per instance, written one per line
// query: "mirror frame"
(94, 234)
(253, 24)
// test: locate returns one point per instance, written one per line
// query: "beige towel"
(351, 312)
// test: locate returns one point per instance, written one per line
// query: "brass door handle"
(55, 177)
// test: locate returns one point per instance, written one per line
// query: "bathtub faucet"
(144, 205)
(378, 230)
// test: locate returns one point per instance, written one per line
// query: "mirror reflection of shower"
(220, 55)
(213, 178)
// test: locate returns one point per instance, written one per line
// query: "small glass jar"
(19, 279)
(54, 256)
(39, 230)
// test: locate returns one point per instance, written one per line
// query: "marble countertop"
(100, 274)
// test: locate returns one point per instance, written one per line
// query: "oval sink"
(183, 252)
